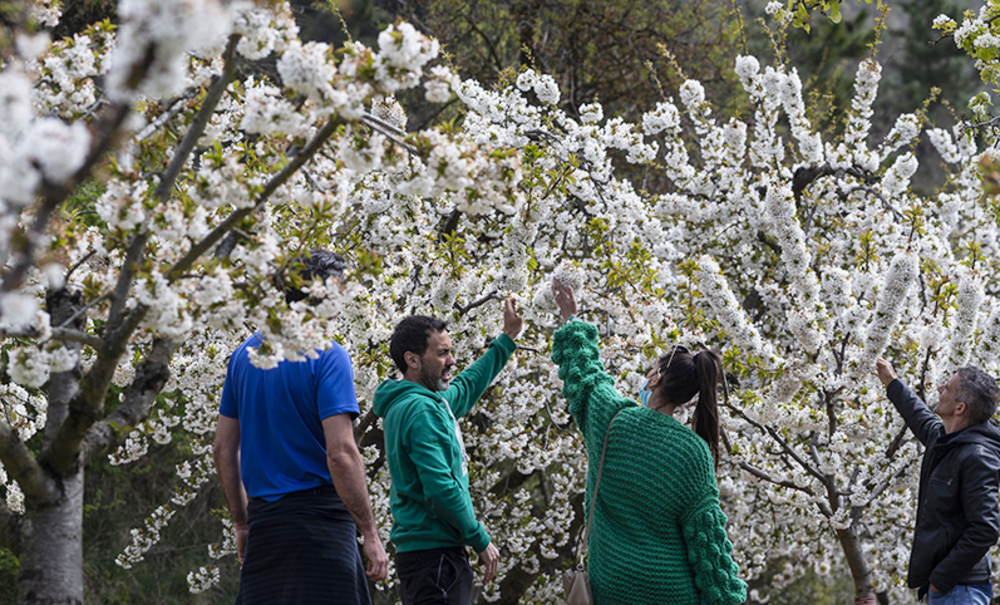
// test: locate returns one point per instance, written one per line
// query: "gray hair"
(318, 264)
(979, 391)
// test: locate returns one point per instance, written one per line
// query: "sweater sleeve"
(708, 548)
(469, 385)
(587, 387)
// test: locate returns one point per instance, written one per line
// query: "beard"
(435, 382)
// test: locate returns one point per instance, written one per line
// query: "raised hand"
(512, 322)
(884, 371)
(564, 298)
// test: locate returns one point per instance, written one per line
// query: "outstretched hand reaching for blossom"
(564, 298)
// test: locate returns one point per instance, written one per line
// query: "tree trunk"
(861, 571)
(52, 552)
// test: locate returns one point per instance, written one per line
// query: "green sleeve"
(708, 548)
(426, 438)
(471, 383)
(588, 388)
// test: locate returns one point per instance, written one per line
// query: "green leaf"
(835, 15)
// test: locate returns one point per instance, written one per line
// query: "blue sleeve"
(227, 406)
(335, 384)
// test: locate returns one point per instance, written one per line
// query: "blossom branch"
(150, 376)
(388, 130)
(54, 195)
(233, 219)
(781, 441)
(899, 215)
(137, 246)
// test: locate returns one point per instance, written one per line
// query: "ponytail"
(706, 414)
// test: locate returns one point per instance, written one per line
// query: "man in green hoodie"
(434, 520)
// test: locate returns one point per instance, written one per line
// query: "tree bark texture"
(861, 571)
(52, 549)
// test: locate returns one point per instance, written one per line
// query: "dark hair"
(686, 375)
(978, 390)
(411, 334)
(319, 263)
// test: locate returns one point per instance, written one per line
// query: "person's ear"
(412, 360)
(654, 381)
(960, 408)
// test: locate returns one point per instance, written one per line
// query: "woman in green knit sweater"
(658, 535)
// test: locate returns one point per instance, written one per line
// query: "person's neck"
(954, 424)
(666, 408)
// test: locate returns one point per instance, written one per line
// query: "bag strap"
(597, 485)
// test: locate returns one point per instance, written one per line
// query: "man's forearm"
(227, 465)
(347, 470)
(235, 494)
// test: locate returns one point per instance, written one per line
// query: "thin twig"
(899, 215)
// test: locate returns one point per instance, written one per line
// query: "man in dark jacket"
(957, 514)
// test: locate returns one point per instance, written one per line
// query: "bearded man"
(431, 507)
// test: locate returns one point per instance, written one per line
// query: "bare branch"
(477, 303)
(63, 334)
(762, 475)
(84, 309)
(150, 376)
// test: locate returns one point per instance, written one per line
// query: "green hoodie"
(427, 461)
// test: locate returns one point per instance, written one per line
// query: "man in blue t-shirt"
(292, 474)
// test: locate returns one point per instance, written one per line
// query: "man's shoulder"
(981, 446)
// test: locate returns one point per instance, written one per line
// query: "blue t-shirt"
(280, 411)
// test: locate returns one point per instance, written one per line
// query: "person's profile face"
(436, 362)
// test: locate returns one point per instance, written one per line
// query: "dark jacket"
(957, 514)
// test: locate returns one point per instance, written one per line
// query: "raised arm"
(921, 420)
(470, 384)
(593, 400)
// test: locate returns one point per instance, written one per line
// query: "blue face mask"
(644, 394)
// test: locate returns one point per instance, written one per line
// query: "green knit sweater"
(658, 534)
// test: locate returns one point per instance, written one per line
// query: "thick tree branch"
(62, 451)
(21, 466)
(150, 376)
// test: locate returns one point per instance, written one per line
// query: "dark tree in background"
(611, 50)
